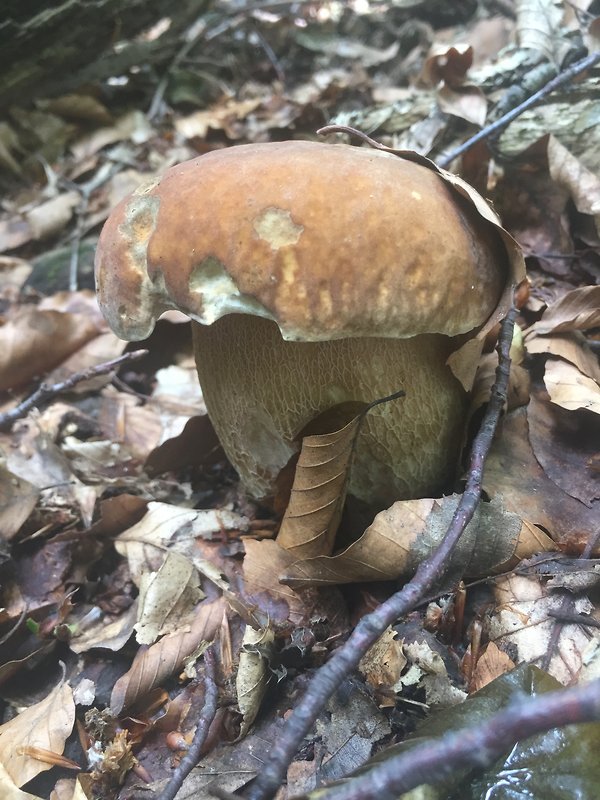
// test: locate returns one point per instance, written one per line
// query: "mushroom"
(314, 274)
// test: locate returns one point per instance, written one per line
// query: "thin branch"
(346, 658)
(561, 79)
(45, 393)
(473, 747)
(192, 757)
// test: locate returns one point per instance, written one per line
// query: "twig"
(45, 392)
(472, 747)
(560, 80)
(191, 758)
(345, 659)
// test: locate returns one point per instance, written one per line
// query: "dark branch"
(46, 393)
(473, 747)
(192, 757)
(368, 630)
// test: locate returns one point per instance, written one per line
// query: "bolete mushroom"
(314, 274)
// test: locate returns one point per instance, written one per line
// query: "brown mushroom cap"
(373, 268)
(328, 241)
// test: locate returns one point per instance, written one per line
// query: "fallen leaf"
(405, 534)
(18, 498)
(10, 791)
(253, 674)
(578, 310)
(513, 472)
(522, 626)
(569, 388)
(539, 28)
(166, 598)
(564, 444)
(34, 341)
(493, 663)
(313, 514)
(46, 725)
(570, 346)
(153, 665)
(582, 183)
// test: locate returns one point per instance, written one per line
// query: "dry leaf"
(402, 536)
(565, 445)
(18, 498)
(318, 493)
(570, 389)
(383, 663)
(10, 791)
(578, 310)
(34, 341)
(253, 674)
(167, 598)
(570, 346)
(45, 725)
(582, 183)
(539, 28)
(153, 665)
(513, 472)
(522, 626)
(493, 663)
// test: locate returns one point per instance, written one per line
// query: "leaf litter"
(127, 544)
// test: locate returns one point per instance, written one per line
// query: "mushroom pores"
(313, 274)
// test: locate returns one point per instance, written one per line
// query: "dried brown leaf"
(569, 388)
(570, 346)
(318, 493)
(564, 445)
(583, 185)
(253, 674)
(402, 536)
(578, 310)
(154, 664)
(467, 102)
(45, 725)
(513, 472)
(493, 663)
(18, 498)
(34, 341)
(539, 28)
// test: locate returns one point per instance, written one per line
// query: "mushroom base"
(261, 392)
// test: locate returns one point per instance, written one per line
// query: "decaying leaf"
(253, 674)
(565, 444)
(383, 663)
(318, 493)
(522, 625)
(167, 598)
(45, 725)
(17, 500)
(490, 665)
(538, 27)
(513, 472)
(405, 534)
(154, 664)
(428, 671)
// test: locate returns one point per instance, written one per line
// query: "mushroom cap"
(329, 241)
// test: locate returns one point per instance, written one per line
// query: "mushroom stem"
(261, 391)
